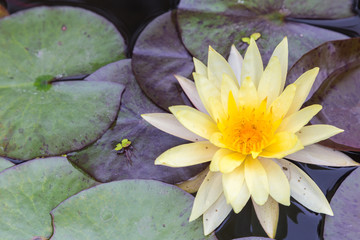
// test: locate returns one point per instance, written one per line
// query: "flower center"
(248, 130)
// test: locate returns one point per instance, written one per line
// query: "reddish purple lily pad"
(346, 206)
(105, 164)
(336, 88)
(223, 23)
(158, 55)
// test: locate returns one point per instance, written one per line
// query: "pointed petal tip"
(327, 210)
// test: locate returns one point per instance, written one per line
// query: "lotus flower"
(245, 124)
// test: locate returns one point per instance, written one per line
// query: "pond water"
(295, 222)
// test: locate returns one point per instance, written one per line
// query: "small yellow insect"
(254, 36)
(125, 147)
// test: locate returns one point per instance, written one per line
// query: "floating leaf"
(29, 192)
(41, 48)
(336, 88)
(158, 55)
(105, 164)
(346, 206)
(4, 164)
(223, 23)
(128, 209)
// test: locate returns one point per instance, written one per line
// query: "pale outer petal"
(187, 154)
(200, 67)
(297, 120)
(248, 94)
(206, 89)
(316, 133)
(192, 185)
(270, 82)
(232, 183)
(304, 189)
(321, 155)
(242, 198)
(168, 123)
(256, 180)
(217, 67)
(281, 51)
(235, 61)
(303, 86)
(194, 120)
(209, 191)
(252, 65)
(268, 215)
(279, 187)
(190, 90)
(280, 106)
(216, 214)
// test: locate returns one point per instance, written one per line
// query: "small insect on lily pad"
(223, 23)
(105, 164)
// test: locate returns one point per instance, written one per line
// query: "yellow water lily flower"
(245, 124)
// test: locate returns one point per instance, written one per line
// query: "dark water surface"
(295, 222)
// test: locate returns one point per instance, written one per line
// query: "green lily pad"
(346, 206)
(158, 55)
(223, 23)
(4, 164)
(128, 209)
(46, 114)
(336, 88)
(29, 192)
(101, 161)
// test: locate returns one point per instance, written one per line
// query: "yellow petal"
(270, 82)
(187, 154)
(256, 180)
(206, 89)
(248, 94)
(232, 183)
(193, 184)
(305, 190)
(320, 155)
(235, 61)
(281, 104)
(217, 140)
(214, 165)
(316, 133)
(284, 143)
(217, 67)
(228, 85)
(268, 215)
(168, 123)
(279, 187)
(231, 161)
(252, 65)
(241, 199)
(303, 86)
(190, 90)
(217, 110)
(194, 120)
(215, 215)
(297, 120)
(209, 191)
(200, 68)
(281, 52)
